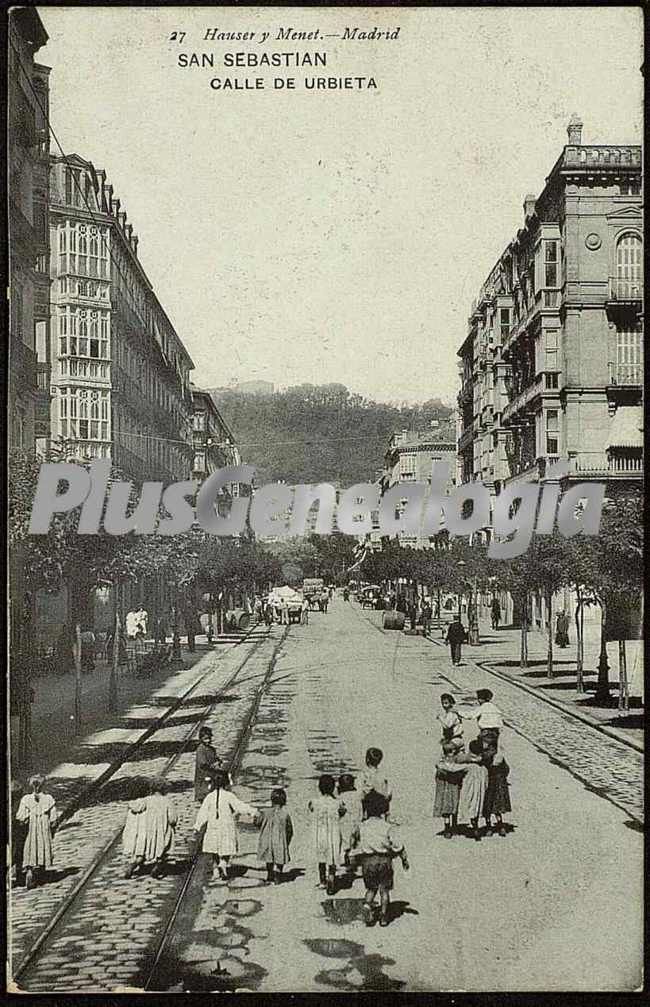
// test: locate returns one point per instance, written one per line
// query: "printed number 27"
(177, 36)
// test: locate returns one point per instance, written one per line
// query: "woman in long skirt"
(472, 795)
(160, 822)
(38, 811)
(449, 779)
(497, 794)
(134, 842)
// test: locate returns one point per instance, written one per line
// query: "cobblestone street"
(569, 917)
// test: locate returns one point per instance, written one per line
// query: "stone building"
(120, 372)
(551, 367)
(213, 441)
(28, 197)
(409, 459)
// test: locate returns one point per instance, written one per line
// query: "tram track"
(28, 965)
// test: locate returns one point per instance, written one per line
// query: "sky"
(334, 235)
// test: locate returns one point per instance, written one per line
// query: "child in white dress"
(218, 815)
(38, 810)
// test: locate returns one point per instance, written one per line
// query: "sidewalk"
(53, 727)
(499, 649)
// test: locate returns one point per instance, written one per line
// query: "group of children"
(473, 784)
(350, 829)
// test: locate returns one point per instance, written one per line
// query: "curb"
(611, 732)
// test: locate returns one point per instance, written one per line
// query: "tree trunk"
(602, 689)
(77, 678)
(549, 629)
(580, 681)
(115, 659)
(623, 685)
(523, 659)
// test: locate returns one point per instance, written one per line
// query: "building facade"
(552, 364)
(120, 373)
(28, 198)
(409, 458)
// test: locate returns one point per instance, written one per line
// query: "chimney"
(574, 130)
(529, 205)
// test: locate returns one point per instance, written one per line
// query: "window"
(199, 461)
(629, 266)
(630, 188)
(629, 355)
(550, 264)
(551, 380)
(199, 421)
(407, 466)
(68, 186)
(505, 322)
(552, 431)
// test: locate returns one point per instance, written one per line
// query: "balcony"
(616, 463)
(594, 156)
(466, 438)
(625, 375)
(466, 390)
(523, 402)
(626, 291)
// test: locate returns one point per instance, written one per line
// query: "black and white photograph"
(325, 500)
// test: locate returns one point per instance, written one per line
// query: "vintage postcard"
(325, 499)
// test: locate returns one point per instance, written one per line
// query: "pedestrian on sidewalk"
(218, 817)
(304, 612)
(276, 832)
(449, 779)
(375, 847)
(327, 812)
(475, 780)
(487, 714)
(134, 833)
(18, 830)
(427, 613)
(496, 612)
(450, 720)
(413, 615)
(374, 778)
(497, 795)
(456, 637)
(38, 810)
(350, 799)
(562, 630)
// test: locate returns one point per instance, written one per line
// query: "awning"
(626, 428)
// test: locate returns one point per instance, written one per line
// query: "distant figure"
(304, 612)
(205, 760)
(413, 615)
(346, 594)
(456, 637)
(562, 630)
(400, 604)
(496, 613)
(276, 832)
(427, 614)
(284, 612)
(38, 811)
